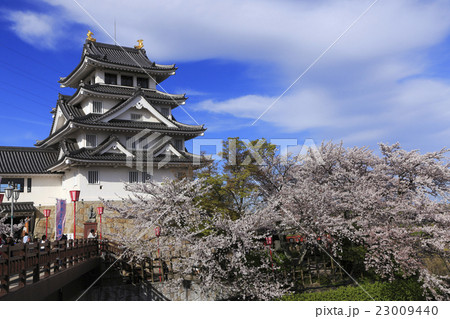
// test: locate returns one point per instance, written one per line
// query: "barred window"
(97, 107)
(146, 177)
(165, 111)
(93, 177)
(91, 140)
(133, 177)
(179, 144)
(136, 116)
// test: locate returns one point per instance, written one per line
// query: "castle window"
(133, 177)
(19, 183)
(179, 144)
(91, 140)
(136, 117)
(93, 177)
(142, 82)
(165, 111)
(97, 107)
(28, 185)
(126, 80)
(111, 78)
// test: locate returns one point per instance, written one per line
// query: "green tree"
(235, 181)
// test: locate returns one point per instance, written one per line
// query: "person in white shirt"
(26, 238)
(92, 234)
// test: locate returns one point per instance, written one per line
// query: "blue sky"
(386, 80)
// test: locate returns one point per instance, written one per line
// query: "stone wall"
(82, 216)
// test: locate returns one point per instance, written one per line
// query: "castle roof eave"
(73, 125)
(89, 63)
(146, 125)
(69, 161)
(123, 92)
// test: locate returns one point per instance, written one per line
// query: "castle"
(117, 127)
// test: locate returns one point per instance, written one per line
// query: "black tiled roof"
(19, 207)
(69, 145)
(132, 125)
(71, 111)
(122, 55)
(86, 154)
(129, 91)
(93, 154)
(26, 160)
(116, 57)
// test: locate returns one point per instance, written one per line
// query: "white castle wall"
(111, 182)
(44, 189)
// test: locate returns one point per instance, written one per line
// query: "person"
(43, 241)
(92, 234)
(26, 238)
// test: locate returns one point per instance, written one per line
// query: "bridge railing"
(22, 264)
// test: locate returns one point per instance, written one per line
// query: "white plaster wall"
(60, 120)
(146, 115)
(111, 182)
(99, 76)
(80, 136)
(90, 78)
(107, 104)
(151, 84)
(44, 189)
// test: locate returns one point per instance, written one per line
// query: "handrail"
(19, 260)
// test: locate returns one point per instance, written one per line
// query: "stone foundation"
(82, 216)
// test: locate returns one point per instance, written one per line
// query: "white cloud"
(288, 33)
(413, 112)
(372, 85)
(34, 28)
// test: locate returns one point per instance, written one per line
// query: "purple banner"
(60, 217)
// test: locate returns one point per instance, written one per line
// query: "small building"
(117, 127)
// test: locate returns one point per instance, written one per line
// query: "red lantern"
(157, 231)
(74, 196)
(268, 241)
(100, 210)
(47, 213)
(1, 198)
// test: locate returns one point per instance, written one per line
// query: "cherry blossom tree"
(5, 226)
(225, 255)
(395, 206)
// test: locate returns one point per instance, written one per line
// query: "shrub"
(398, 290)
